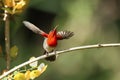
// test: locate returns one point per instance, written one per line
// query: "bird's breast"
(47, 47)
(52, 41)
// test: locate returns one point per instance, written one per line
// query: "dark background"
(92, 21)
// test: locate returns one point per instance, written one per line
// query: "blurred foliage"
(92, 21)
(14, 52)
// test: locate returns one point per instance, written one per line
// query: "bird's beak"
(55, 27)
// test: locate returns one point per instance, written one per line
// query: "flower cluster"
(33, 72)
(11, 7)
(14, 6)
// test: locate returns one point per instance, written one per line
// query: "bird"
(51, 39)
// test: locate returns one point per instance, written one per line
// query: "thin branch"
(60, 52)
(7, 41)
(5, 14)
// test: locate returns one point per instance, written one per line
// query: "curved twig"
(60, 52)
(7, 41)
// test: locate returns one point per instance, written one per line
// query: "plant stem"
(7, 42)
(60, 52)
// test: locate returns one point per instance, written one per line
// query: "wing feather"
(64, 35)
(34, 28)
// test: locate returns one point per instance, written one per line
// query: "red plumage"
(51, 39)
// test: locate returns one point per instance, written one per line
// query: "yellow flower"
(27, 75)
(9, 3)
(43, 69)
(20, 4)
(34, 74)
(14, 6)
(19, 76)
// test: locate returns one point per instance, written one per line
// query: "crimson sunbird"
(51, 38)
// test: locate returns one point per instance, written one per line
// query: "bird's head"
(52, 37)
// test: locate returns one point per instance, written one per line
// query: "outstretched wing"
(64, 35)
(34, 28)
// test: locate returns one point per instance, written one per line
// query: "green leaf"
(5, 78)
(14, 51)
(15, 72)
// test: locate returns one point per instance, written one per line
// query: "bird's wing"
(34, 28)
(64, 35)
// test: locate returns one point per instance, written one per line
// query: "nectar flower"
(14, 6)
(34, 74)
(42, 67)
(19, 76)
(38, 69)
(27, 75)
(20, 4)
(9, 3)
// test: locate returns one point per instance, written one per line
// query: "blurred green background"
(92, 21)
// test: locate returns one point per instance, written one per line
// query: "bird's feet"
(50, 58)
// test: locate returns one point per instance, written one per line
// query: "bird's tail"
(51, 58)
